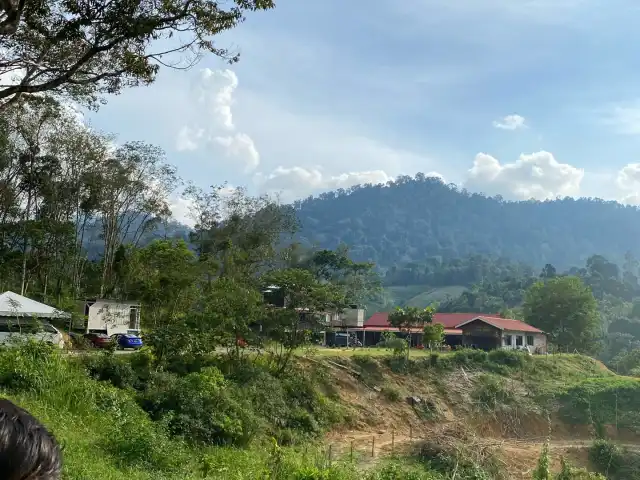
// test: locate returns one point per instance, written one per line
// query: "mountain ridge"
(410, 219)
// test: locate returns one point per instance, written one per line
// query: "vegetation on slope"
(165, 425)
(410, 219)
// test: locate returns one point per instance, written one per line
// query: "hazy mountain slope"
(411, 219)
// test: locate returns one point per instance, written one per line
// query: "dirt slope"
(384, 423)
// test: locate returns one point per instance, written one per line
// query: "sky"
(522, 98)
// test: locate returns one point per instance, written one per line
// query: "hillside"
(411, 219)
(483, 415)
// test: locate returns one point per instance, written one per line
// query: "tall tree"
(84, 49)
(237, 234)
(135, 184)
(565, 308)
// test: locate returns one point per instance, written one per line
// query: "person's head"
(27, 450)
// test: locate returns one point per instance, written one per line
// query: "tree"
(307, 302)
(411, 317)
(565, 308)
(433, 335)
(163, 276)
(407, 318)
(549, 271)
(236, 234)
(86, 49)
(135, 184)
(358, 279)
(232, 310)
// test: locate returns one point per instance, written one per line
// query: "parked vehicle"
(341, 339)
(127, 340)
(40, 331)
(99, 340)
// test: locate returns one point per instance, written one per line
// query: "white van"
(12, 330)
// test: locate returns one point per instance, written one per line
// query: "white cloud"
(510, 122)
(537, 175)
(628, 183)
(624, 118)
(240, 145)
(213, 95)
(298, 182)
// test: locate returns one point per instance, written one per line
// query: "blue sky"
(333, 93)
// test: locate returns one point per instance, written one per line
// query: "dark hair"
(27, 450)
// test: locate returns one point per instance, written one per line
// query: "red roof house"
(504, 324)
(379, 322)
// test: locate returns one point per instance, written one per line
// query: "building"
(112, 316)
(490, 333)
(378, 323)
(468, 329)
(13, 305)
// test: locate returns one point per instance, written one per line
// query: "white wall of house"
(113, 317)
(517, 339)
(350, 317)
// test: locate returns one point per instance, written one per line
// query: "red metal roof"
(447, 331)
(448, 320)
(504, 324)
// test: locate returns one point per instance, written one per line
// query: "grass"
(360, 352)
(107, 435)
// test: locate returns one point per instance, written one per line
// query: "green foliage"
(542, 471)
(200, 407)
(562, 232)
(603, 401)
(565, 308)
(391, 394)
(433, 335)
(492, 392)
(411, 317)
(617, 463)
(112, 62)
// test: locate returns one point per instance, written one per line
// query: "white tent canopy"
(14, 305)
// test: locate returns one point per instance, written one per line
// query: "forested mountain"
(410, 219)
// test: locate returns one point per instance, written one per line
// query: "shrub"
(470, 358)
(492, 392)
(509, 358)
(391, 394)
(111, 368)
(200, 407)
(616, 462)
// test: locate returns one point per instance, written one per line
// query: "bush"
(509, 358)
(470, 358)
(391, 394)
(616, 462)
(603, 401)
(201, 407)
(111, 368)
(492, 392)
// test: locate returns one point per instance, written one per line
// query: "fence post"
(351, 452)
(373, 446)
(410, 433)
(393, 441)
(330, 448)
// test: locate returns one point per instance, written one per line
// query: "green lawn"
(354, 352)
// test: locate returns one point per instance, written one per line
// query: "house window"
(133, 318)
(530, 340)
(508, 340)
(518, 340)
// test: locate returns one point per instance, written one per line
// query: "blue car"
(127, 340)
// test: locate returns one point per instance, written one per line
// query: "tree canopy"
(85, 49)
(565, 308)
(410, 219)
